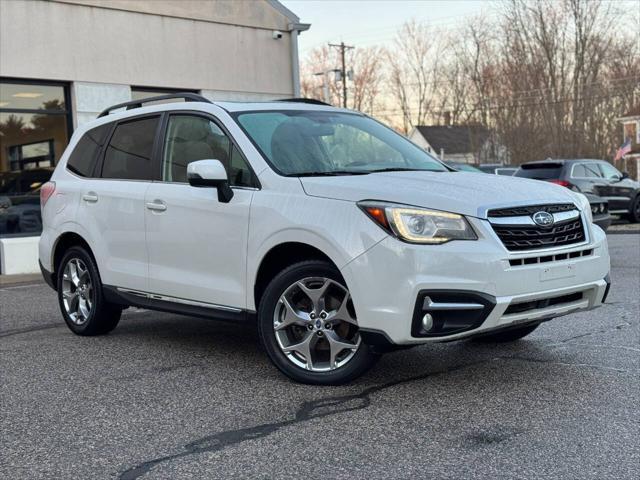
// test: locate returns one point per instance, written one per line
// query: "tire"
(505, 336)
(322, 335)
(634, 212)
(98, 316)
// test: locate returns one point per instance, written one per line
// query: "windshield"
(303, 142)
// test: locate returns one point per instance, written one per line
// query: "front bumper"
(387, 283)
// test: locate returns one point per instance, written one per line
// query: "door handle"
(157, 206)
(90, 197)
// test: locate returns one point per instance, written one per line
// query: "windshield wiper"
(334, 173)
(404, 169)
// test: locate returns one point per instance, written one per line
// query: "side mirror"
(624, 175)
(210, 173)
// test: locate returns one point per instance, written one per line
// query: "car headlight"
(419, 225)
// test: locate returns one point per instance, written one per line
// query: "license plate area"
(556, 272)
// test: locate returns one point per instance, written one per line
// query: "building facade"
(630, 162)
(64, 61)
(471, 144)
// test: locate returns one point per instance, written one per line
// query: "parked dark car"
(463, 167)
(597, 177)
(498, 169)
(20, 201)
(600, 211)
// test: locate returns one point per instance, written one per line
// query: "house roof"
(454, 138)
(634, 112)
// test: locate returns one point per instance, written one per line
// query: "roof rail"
(311, 101)
(187, 97)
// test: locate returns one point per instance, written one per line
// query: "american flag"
(624, 149)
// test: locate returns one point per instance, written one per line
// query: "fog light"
(427, 322)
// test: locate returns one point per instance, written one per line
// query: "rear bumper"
(48, 277)
(389, 283)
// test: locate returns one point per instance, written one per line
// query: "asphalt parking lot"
(166, 396)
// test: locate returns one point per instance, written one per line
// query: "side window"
(128, 155)
(578, 171)
(83, 159)
(190, 138)
(591, 170)
(609, 171)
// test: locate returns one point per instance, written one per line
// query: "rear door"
(198, 245)
(112, 205)
(587, 177)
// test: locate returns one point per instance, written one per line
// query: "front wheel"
(510, 335)
(307, 325)
(634, 211)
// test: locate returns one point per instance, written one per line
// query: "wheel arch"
(278, 258)
(63, 243)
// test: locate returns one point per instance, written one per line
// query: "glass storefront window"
(34, 131)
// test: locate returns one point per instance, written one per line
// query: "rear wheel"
(307, 325)
(80, 296)
(510, 335)
(634, 211)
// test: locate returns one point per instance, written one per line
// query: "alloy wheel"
(315, 324)
(77, 291)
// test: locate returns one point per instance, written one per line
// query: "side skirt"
(131, 298)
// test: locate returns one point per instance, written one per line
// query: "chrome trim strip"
(430, 305)
(515, 221)
(483, 212)
(527, 220)
(182, 301)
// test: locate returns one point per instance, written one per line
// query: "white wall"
(73, 42)
(19, 255)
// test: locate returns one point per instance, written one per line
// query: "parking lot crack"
(306, 412)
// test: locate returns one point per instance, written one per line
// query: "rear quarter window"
(84, 157)
(128, 155)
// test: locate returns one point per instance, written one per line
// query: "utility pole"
(342, 47)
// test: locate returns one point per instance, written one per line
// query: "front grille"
(531, 209)
(529, 237)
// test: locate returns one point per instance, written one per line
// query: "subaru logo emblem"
(544, 219)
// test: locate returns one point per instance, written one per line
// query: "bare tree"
(414, 67)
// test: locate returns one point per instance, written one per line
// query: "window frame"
(99, 167)
(586, 165)
(195, 113)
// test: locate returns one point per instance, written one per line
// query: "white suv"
(340, 237)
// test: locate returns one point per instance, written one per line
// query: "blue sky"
(367, 22)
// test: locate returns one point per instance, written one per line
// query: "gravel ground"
(171, 397)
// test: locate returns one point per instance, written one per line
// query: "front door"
(619, 192)
(197, 245)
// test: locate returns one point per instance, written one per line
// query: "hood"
(457, 192)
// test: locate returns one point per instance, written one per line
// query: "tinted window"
(540, 171)
(190, 138)
(128, 155)
(610, 172)
(85, 154)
